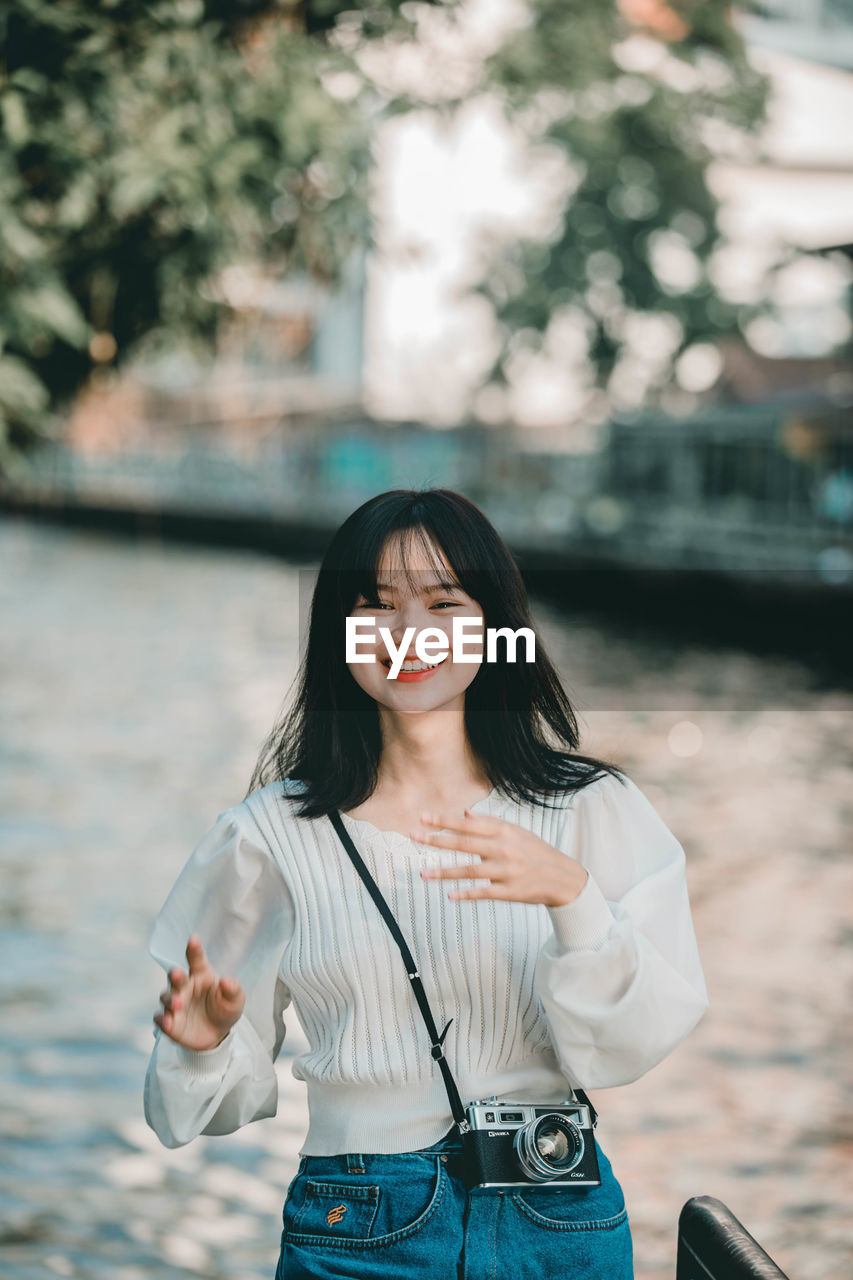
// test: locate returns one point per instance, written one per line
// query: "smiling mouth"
(414, 666)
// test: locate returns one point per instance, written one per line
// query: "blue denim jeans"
(362, 1217)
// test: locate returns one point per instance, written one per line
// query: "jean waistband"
(452, 1141)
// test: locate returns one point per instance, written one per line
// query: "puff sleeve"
(619, 977)
(232, 893)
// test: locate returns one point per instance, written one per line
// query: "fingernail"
(426, 817)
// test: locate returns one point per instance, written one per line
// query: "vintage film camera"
(512, 1144)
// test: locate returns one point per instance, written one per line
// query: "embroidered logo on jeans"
(335, 1215)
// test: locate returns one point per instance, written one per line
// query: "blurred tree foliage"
(145, 146)
(639, 97)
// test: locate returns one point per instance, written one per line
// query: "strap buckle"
(436, 1048)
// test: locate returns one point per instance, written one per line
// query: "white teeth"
(416, 666)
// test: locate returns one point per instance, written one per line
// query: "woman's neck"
(427, 760)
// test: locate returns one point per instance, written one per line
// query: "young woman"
(542, 896)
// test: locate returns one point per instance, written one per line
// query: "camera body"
(511, 1144)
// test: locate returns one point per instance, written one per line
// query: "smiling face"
(425, 594)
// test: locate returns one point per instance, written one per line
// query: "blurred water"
(139, 680)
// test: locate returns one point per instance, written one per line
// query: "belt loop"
(355, 1162)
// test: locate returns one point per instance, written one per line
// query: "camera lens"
(553, 1147)
(548, 1147)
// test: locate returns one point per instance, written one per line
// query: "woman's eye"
(382, 604)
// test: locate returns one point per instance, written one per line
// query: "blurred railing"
(767, 489)
(766, 492)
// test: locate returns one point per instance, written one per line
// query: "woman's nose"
(409, 615)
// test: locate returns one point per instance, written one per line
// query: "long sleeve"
(233, 895)
(619, 977)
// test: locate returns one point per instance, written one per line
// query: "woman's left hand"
(519, 866)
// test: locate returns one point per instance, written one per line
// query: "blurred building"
(818, 30)
(791, 206)
(290, 351)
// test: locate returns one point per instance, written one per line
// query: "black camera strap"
(456, 1107)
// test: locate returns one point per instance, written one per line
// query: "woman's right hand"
(199, 1009)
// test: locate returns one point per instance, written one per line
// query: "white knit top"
(592, 993)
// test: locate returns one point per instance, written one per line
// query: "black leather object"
(713, 1245)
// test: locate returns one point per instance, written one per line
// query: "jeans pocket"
(575, 1208)
(352, 1211)
(339, 1210)
(570, 1238)
(566, 1212)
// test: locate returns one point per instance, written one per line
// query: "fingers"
(478, 871)
(227, 1003)
(170, 1000)
(465, 842)
(483, 869)
(196, 956)
(470, 833)
(486, 891)
(230, 990)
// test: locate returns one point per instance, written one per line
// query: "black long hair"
(329, 739)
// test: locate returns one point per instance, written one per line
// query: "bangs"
(398, 574)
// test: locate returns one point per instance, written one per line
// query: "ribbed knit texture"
(484, 984)
(540, 998)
